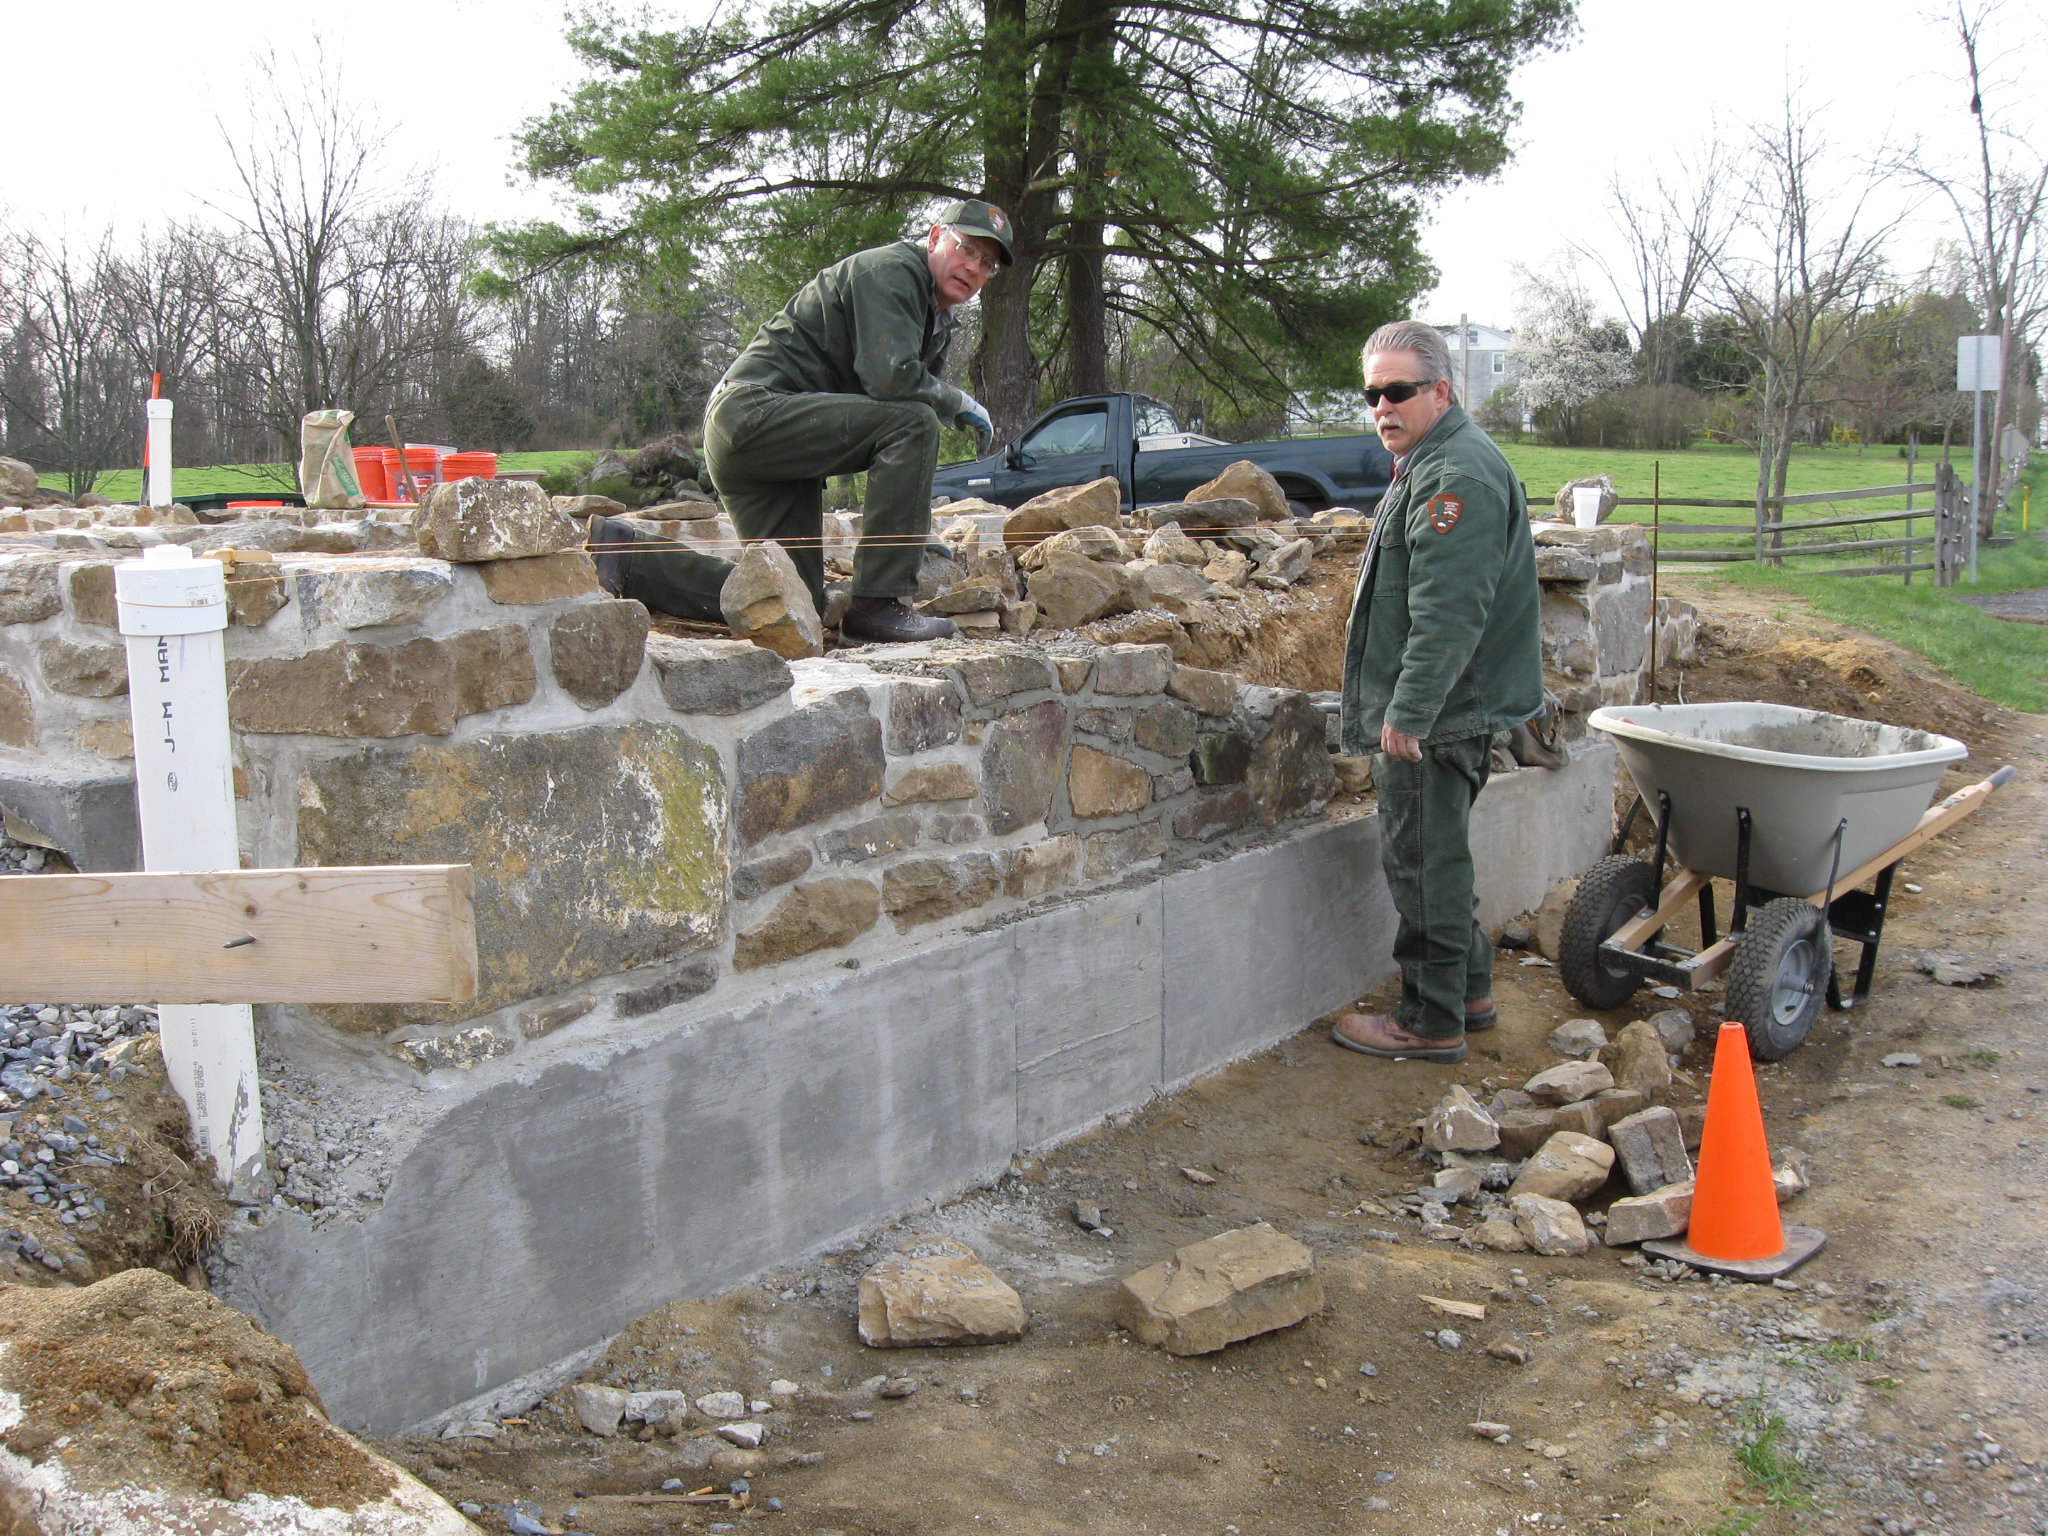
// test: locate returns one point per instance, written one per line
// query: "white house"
(1480, 360)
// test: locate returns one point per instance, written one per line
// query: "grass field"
(257, 479)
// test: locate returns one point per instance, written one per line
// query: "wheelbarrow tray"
(1799, 773)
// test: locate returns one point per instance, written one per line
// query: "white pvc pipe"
(159, 419)
(173, 614)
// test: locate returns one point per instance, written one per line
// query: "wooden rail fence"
(1769, 527)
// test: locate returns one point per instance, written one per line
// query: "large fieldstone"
(1246, 481)
(821, 914)
(1020, 765)
(471, 521)
(1460, 1123)
(1662, 1212)
(918, 891)
(421, 687)
(764, 600)
(89, 586)
(934, 1290)
(596, 652)
(1568, 1082)
(819, 759)
(626, 871)
(931, 782)
(1552, 1227)
(1211, 815)
(1289, 773)
(1569, 1166)
(923, 715)
(1233, 1286)
(1204, 516)
(999, 672)
(1651, 1146)
(1133, 669)
(28, 587)
(369, 591)
(1071, 591)
(1100, 784)
(1211, 693)
(540, 578)
(1641, 1061)
(87, 668)
(716, 677)
(1096, 504)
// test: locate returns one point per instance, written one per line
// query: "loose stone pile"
(1526, 1160)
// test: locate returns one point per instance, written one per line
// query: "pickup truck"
(1137, 439)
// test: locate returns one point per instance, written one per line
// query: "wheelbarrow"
(1799, 809)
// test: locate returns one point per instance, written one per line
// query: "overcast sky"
(117, 121)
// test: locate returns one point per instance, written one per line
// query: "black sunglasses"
(1398, 393)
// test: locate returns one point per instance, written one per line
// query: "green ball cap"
(978, 218)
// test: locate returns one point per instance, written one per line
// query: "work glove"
(973, 417)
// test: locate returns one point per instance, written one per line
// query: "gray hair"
(1425, 341)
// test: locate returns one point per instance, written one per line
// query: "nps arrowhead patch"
(1444, 512)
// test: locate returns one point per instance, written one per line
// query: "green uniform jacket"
(1443, 640)
(868, 325)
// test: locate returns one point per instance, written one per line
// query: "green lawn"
(2004, 660)
(258, 479)
(1716, 472)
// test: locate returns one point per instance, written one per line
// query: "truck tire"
(1779, 977)
(1610, 893)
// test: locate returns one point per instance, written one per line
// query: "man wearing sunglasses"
(1441, 652)
(846, 378)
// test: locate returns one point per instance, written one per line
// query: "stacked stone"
(1034, 771)
(1596, 617)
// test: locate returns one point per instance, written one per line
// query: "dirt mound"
(1747, 657)
(139, 1380)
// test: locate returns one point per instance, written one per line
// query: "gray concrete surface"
(546, 1206)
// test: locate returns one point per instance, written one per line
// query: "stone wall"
(1596, 616)
(648, 816)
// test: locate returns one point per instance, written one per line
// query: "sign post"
(173, 615)
(1980, 366)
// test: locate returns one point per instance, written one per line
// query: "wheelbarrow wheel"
(1609, 895)
(1779, 977)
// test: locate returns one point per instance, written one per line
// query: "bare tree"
(1802, 270)
(68, 386)
(344, 291)
(1673, 232)
(1997, 196)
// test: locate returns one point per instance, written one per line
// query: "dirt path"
(1894, 1386)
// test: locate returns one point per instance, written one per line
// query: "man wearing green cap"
(846, 378)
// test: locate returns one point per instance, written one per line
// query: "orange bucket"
(463, 466)
(370, 473)
(422, 462)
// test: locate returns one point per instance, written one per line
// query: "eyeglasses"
(987, 261)
(1399, 394)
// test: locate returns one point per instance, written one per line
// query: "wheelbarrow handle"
(2003, 777)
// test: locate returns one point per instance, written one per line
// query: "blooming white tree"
(1570, 356)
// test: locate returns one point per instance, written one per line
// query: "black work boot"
(609, 547)
(891, 620)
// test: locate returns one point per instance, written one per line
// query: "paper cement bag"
(327, 465)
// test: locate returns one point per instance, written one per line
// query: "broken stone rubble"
(1234, 1286)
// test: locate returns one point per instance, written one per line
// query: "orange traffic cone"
(1735, 1227)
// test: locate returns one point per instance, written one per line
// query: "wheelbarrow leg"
(1707, 933)
(1739, 918)
(1861, 921)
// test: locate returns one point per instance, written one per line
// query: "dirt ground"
(1894, 1385)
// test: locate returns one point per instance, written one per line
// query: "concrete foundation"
(547, 1198)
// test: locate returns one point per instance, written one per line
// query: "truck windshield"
(1080, 432)
(1154, 417)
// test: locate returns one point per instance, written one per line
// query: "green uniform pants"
(681, 582)
(1425, 815)
(769, 455)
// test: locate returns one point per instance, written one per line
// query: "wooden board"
(381, 934)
